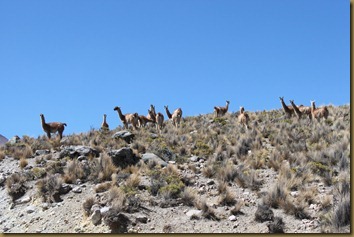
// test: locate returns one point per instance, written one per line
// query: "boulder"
(125, 135)
(41, 152)
(123, 157)
(14, 140)
(96, 217)
(151, 156)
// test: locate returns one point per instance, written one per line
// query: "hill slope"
(3, 139)
(208, 176)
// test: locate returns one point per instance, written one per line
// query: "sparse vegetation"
(281, 164)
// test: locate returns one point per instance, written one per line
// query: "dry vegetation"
(305, 156)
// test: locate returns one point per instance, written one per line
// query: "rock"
(232, 218)
(154, 136)
(123, 157)
(117, 222)
(81, 158)
(96, 217)
(166, 154)
(14, 140)
(41, 152)
(2, 179)
(142, 219)
(193, 213)
(23, 200)
(151, 156)
(125, 135)
(77, 190)
(45, 206)
(105, 210)
(77, 151)
(294, 193)
(194, 158)
(30, 209)
(65, 188)
(210, 182)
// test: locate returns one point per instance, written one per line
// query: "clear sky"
(73, 61)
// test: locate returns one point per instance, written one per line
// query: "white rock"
(30, 209)
(193, 213)
(77, 190)
(232, 218)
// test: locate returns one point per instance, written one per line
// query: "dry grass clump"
(264, 213)
(189, 196)
(2, 154)
(207, 211)
(227, 198)
(15, 185)
(277, 226)
(101, 169)
(23, 162)
(74, 170)
(103, 187)
(49, 188)
(87, 205)
(117, 198)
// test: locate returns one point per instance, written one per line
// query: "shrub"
(49, 188)
(23, 162)
(189, 196)
(341, 215)
(277, 226)
(15, 185)
(264, 213)
(88, 203)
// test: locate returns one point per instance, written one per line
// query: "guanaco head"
(281, 98)
(116, 108)
(242, 109)
(166, 106)
(42, 117)
(227, 102)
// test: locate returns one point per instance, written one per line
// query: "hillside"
(208, 176)
(3, 140)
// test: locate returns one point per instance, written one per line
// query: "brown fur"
(52, 127)
(143, 120)
(243, 117)
(297, 111)
(289, 110)
(318, 113)
(104, 124)
(220, 111)
(175, 117)
(127, 119)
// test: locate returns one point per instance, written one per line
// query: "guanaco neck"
(169, 115)
(313, 106)
(285, 107)
(121, 116)
(43, 121)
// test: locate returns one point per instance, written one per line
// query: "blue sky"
(73, 61)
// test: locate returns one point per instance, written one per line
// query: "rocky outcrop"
(123, 157)
(76, 151)
(125, 135)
